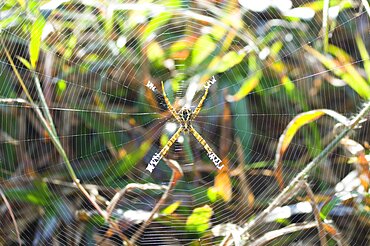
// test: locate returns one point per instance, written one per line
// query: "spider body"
(184, 117)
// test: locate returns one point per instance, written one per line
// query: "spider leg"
(158, 156)
(200, 105)
(212, 156)
(169, 106)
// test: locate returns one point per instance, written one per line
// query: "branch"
(176, 175)
(7, 204)
(281, 232)
(316, 213)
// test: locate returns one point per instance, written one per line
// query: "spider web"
(95, 63)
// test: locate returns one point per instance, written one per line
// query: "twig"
(247, 193)
(176, 175)
(310, 166)
(49, 126)
(281, 232)
(61, 151)
(316, 213)
(286, 197)
(7, 204)
(295, 182)
(127, 188)
(365, 3)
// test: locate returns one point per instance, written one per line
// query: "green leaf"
(158, 21)
(248, 85)
(325, 210)
(162, 19)
(229, 60)
(345, 71)
(61, 86)
(5, 23)
(38, 194)
(203, 47)
(198, 221)
(170, 209)
(212, 194)
(126, 163)
(22, 3)
(364, 55)
(250, 82)
(35, 42)
(26, 63)
(155, 53)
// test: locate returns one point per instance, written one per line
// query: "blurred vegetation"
(78, 125)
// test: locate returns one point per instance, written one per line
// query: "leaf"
(126, 163)
(203, 47)
(35, 41)
(212, 194)
(180, 50)
(346, 60)
(241, 120)
(7, 22)
(325, 210)
(345, 71)
(22, 3)
(25, 62)
(364, 55)
(199, 220)
(155, 53)
(222, 180)
(171, 208)
(292, 128)
(228, 61)
(330, 229)
(38, 194)
(176, 169)
(160, 20)
(250, 83)
(223, 186)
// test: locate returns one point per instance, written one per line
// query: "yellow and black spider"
(185, 117)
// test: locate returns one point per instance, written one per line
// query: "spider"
(185, 117)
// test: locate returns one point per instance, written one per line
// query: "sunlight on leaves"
(292, 128)
(35, 42)
(171, 208)
(364, 55)
(325, 210)
(345, 70)
(203, 47)
(248, 85)
(199, 220)
(228, 61)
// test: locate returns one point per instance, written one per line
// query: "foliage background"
(272, 61)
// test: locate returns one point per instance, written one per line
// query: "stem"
(365, 3)
(43, 102)
(310, 166)
(281, 232)
(295, 182)
(58, 146)
(316, 213)
(325, 28)
(7, 204)
(176, 174)
(49, 126)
